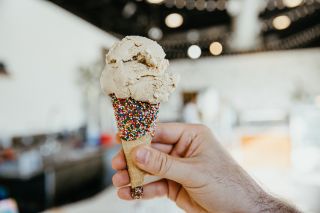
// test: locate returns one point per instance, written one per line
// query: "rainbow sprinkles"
(134, 118)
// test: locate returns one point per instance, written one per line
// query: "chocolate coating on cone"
(137, 192)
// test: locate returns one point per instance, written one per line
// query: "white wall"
(250, 81)
(43, 47)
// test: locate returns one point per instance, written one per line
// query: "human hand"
(197, 173)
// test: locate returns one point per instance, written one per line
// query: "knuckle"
(114, 164)
(160, 190)
(114, 181)
(203, 128)
(161, 164)
(199, 127)
(199, 130)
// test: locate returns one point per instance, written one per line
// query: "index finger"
(168, 133)
(117, 138)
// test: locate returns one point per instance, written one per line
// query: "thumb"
(160, 164)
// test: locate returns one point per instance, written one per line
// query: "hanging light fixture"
(194, 51)
(215, 48)
(129, 10)
(281, 22)
(174, 20)
(155, 33)
(155, 1)
(292, 3)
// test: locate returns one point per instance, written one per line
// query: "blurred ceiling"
(236, 26)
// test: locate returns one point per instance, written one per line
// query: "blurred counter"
(31, 163)
(66, 176)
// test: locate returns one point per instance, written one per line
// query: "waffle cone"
(136, 175)
(136, 124)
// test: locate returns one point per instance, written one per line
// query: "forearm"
(261, 201)
(268, 203)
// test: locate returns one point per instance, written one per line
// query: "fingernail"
(142, 155)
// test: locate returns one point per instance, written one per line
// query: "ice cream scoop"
(137, 80)
(136, 67)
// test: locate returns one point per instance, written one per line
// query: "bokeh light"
(281, 22)
(215, 48)
(174, 20)
(194, 51)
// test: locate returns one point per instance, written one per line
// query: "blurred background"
(250, 70)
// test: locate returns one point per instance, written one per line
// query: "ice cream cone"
(136, 78)
(136, 175)
(136, 123)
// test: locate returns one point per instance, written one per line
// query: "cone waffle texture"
(136, 175)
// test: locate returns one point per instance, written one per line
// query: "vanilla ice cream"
(136, 67)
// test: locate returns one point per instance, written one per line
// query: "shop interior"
(249, 70)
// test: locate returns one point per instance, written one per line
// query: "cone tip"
(137, 192)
